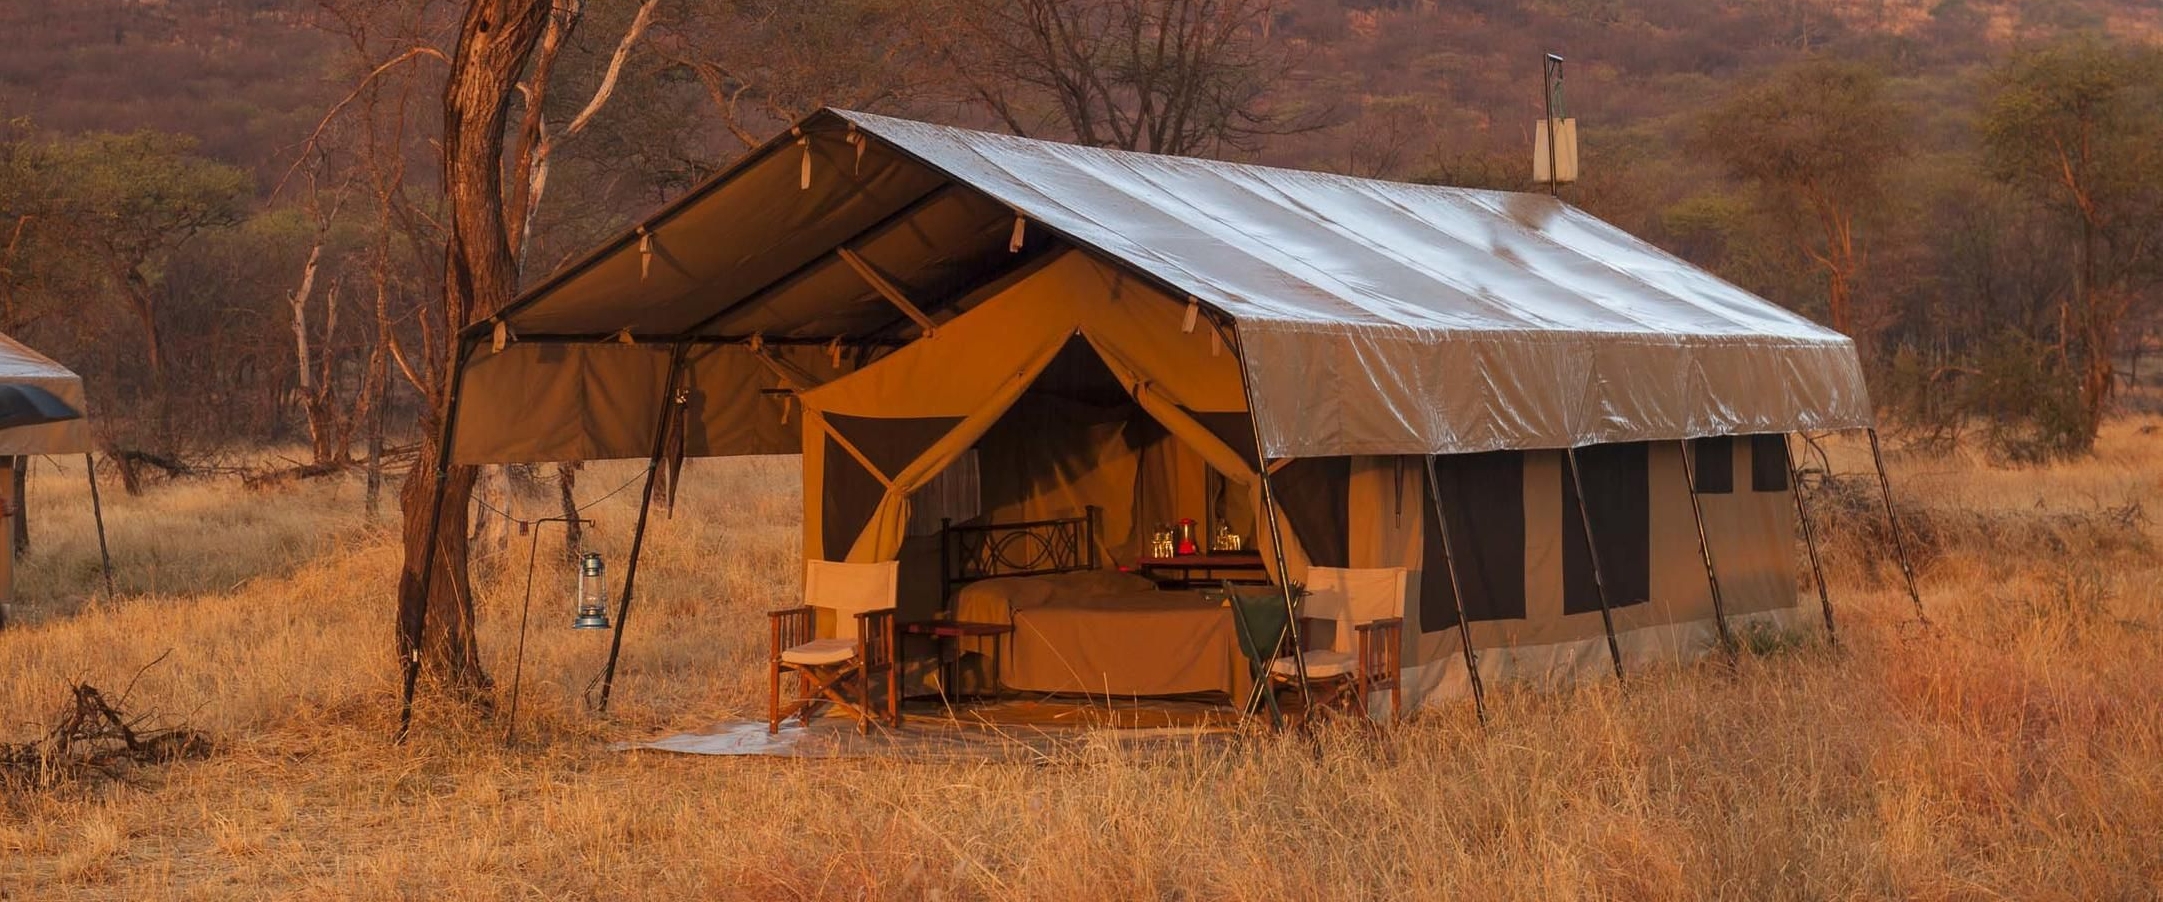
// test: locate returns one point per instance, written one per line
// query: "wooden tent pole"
(1457, 595)
(645, 506)
(1810, 541)
(446, 431)
(97, 515)
(1592, 548)
(1892, 522)
(1704, 548)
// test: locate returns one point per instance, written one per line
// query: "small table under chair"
(949, 634)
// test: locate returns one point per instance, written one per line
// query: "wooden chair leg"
(809, 702)
(773, 698)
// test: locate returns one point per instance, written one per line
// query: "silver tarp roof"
(1371, 317)
(42, 409)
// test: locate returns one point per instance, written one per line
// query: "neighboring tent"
(891, 298)
(42, 411)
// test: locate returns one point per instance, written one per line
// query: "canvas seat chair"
(839, 668)
(1365, 608)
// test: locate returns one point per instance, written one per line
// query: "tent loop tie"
(857, 141)
(757, 343)
(804, 141)
(623, 336)
(501, 336)
(1194, 312)
(833, 351)
(1216, 343)
(645, 253)
(1021, 230)
(788, 407)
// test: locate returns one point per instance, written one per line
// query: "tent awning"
(42, 408)
(1369, 317)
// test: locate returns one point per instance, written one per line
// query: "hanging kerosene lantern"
(592, 594)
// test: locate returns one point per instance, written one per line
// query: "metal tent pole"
(1704, 548)
(1810, 541)
(445, 432)
(1592, 548)
(97, 515)
(1457, 595)
(1892, 521)
(645, 506)
(1269, 512)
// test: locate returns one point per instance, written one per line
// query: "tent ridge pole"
(645, 504)
(1810, 541)
(1457, 606)
(446, 431)
(1704, 549)
(1592, 549)
(1892, 522)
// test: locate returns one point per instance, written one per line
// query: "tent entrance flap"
(1078, 387)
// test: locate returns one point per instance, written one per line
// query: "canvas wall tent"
(42, 411)
(878, 294)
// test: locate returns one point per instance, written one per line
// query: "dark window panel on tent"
(1483, 497)
(1619, 496)
(851, 496)
(891, 443)
(1713, 457)
(1768, 463)
(1235, 429)
(1316, 495)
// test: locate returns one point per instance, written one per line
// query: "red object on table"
(1186, 536)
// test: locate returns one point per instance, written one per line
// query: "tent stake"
(645, 505)
(1592, 548)
(97, 515)
(445, 432)
(1704, 549)
(1810, 541)
(1892, 522)
(1457, 595)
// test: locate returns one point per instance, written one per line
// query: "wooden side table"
(1246, 567)
(950, 633)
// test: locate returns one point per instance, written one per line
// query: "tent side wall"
(1550, 629)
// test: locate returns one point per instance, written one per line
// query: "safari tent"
(958, 330)
(42, 411)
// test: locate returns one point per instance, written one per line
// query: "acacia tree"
(2077, 127)
(496, 39)
(1162, 76)
(1815, 141)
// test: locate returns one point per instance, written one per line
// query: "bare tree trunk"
(574, 533)
(480, 275)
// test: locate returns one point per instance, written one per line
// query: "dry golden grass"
(2012, 750)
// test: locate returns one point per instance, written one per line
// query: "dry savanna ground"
(2013, 748)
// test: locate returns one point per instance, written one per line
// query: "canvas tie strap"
(857, 141)
(1021, 230)
(500, 337)
(803, 141)
(1194, 311)
(645, 253)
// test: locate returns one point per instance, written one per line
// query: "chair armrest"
(1381, 647)
(877, 642)
(790, 628)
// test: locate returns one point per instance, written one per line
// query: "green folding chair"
(1263, 624)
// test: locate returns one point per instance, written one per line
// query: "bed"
(1082, 629)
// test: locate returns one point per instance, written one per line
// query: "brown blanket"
(1107, 633)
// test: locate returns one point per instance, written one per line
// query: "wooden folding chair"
(1365, 607)
(839, 668)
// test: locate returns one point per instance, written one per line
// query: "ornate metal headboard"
(971, 553)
